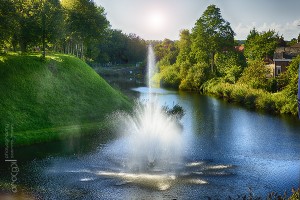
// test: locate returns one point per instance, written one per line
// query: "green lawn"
(43, 100)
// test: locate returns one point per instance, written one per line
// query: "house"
(283, 57)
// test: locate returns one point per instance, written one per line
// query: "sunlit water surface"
(224, 150)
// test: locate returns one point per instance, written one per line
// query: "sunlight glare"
(156, 20)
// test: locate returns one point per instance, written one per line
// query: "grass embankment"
(45, 100)
(258, 99)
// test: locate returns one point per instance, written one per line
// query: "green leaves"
(261, 45)
(255, 75)
(85, 26)
(211, 34)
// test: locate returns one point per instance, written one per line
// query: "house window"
(278, 70)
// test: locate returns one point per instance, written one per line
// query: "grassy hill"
(45, 100)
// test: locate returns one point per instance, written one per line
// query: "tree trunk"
(43, 35)
(23, 46)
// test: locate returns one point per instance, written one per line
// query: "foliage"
(295, 195)
(292, 76)
(77, 27)
(184, 46)
(255, 75)
(243, 94)
(166, 50)
(61, 91)
(169, 76)
(211, 34)
(293, 41)
(177, 111)
(197, 75)
(229, 65)
(207, 61)
(35, 23)
(195, 54)
(85, 25)
(119, 48)
(7, 20)
(262, 45)
(183, 58)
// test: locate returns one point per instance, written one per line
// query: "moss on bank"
(42, 100)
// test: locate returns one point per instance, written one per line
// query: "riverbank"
(255, 99)
(45, 100)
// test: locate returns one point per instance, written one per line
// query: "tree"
(35, 22)
(281, 42)
(196, 76)
(211, 34)
(166, 50)
(229, 66)
(255, 74)
(85, 24)
(292, 42)
(136, 48)
(50, 22)
(27, 28)
(7, 21)
(184, 46)
(183, 58)
(261, 45)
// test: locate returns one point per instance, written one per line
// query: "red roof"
(239, 48)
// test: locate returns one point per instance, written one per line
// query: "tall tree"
(50, 22)
(183, 58)
(184, 46)
(211, 34)
(7, 21)
(86, 23)
(27, 19)
(36, 22)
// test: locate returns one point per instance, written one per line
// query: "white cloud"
(289, 30)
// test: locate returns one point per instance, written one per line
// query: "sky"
(160, 19)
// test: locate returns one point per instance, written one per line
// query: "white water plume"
(154, 139)
(151, 65)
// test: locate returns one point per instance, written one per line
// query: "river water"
(227, 151)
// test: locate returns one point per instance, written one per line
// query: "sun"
(156, 20)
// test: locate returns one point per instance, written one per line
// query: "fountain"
(150, 148)
(149, 151)
(154, 141)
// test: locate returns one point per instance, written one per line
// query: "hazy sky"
(159, 19)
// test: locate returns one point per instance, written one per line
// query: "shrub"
(265, 102)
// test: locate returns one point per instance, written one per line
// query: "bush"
(266, 103)
(169, 77)
(239, 93)
(281, 102)
(255, 75)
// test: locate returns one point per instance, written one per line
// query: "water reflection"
(227, 150)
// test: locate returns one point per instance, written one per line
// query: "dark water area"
(227, 150)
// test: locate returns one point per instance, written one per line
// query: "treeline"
(77, 27)
(208, 59)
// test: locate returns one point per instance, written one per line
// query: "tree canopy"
(261, 45)
(211, 34)
(77, 27)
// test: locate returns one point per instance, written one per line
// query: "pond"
(227, 151)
